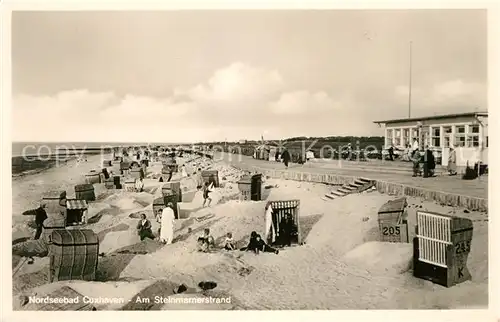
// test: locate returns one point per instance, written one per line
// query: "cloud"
(301, 102)
(235, 99)
(450, 96)
(237, 83)
(237, 102)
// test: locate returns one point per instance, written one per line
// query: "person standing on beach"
(288, 231)
(199, 179)
(167, 224)
(285, 156)
(206, 191)
(183, 171)
(144, 228)
(269, 232)
(170, 172)
(40, 217)
(139, 185)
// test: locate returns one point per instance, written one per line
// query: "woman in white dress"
(183, 171)
(167, 225)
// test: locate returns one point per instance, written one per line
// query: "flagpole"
(409, 87)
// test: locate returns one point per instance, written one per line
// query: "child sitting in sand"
(205, 242)
(229, 242)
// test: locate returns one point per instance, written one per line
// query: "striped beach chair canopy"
(76, 204)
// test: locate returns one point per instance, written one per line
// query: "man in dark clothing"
(288, 231)
(144, 228)
(301, 158)
(170, 172)
(286, 157)
(40, 217)
(416, 158)
(429, 163)
(391, 153)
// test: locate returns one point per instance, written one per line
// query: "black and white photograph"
(274, 159)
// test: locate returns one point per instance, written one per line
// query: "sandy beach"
(341, 259)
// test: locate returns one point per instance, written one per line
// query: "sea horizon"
(33, 148)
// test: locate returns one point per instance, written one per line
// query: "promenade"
(443, 188)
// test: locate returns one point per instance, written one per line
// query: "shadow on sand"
(307, 223)
(119, 227)
(112, 211)
(112, 265)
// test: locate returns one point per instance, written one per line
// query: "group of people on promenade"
(413, 153)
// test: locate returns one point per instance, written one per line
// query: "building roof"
(434, 117)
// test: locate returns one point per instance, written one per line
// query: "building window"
(406, 137)
(460, 137)
(447, 142)
(414, 133)
(472, 141)
(473, 136)
(447, 136)
(397, 137)
(436, 137)
(486, 141)
(388, 141)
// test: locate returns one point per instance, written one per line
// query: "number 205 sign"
(393, 233)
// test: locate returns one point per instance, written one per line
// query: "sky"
(190, 76)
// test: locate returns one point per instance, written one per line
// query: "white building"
(468, 131)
